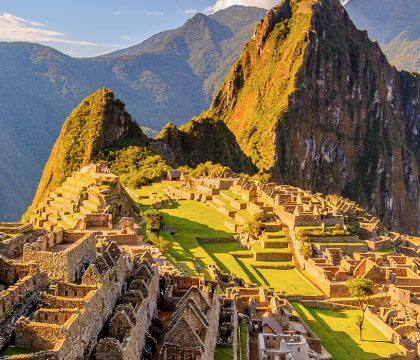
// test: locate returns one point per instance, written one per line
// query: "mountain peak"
(315, 102)
(98, 122)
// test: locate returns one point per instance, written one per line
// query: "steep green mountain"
(170, 77)
(199, 140)
(395, 24)
(97, 123)
(315, 102)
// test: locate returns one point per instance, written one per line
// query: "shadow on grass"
(340, 344)
(260, 274)
(250, 275)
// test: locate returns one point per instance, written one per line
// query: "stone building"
(193, 329)
(128, 327)
(63, 255)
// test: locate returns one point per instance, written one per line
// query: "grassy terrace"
(193, 219)
(340, 334)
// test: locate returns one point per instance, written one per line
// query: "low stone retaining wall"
(272, 244)
(273, 267)
(336, 239)
(232, 226)
(12, 228)
(348, 249)
(327, 305)
(263, 256)
(243, 256)
(379, 244)
(238, 205)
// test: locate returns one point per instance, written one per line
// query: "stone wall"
(390, 334)
(98, 307)
(12, 228)
(23, 288)
(66, 265)
(129, 324)
(212, 331)
(13, 247)
(274, 256)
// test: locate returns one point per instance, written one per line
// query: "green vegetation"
(255, 227)
(89, 129)
(362, 289)
(339, 334)
(135, 165)
(16, 350)
(304, 233)
(223, 353)
(306, 250)
(243, 341)
(193, 220)
(251, 110)
(154, 220)
(196, 143)
(211, 170)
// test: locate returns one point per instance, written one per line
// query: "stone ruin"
(194, 327)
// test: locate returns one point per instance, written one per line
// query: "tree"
(362, 289)
(306, 250)
(255, 227)
(154, 221)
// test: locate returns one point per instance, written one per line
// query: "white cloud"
(124, 37)
(223, 4)
(14, 28)
(154, 13)
(187, 11)
(116, 12)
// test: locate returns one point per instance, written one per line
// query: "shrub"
(306, 250)
(255, 226)
(136, 166)
(154, 220)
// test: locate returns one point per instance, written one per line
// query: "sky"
(84, 28)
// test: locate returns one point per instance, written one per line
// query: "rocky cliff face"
(315, 102)
(97, 123)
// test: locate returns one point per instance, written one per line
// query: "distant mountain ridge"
(395, 24)
(174, 81)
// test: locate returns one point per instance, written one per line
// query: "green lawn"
(290, 281)
(223, 353)
(195, 219)
(340, 334)
(242, 341)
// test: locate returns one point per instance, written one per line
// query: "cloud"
(154, 13)
(187, 11)
(223, 4)
(14, 28)
(124, 37)
(116, 12)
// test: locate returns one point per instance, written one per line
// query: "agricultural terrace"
(192, 219)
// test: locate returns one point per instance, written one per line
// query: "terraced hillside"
(84, 192)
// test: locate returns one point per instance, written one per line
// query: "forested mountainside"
(172, 81)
